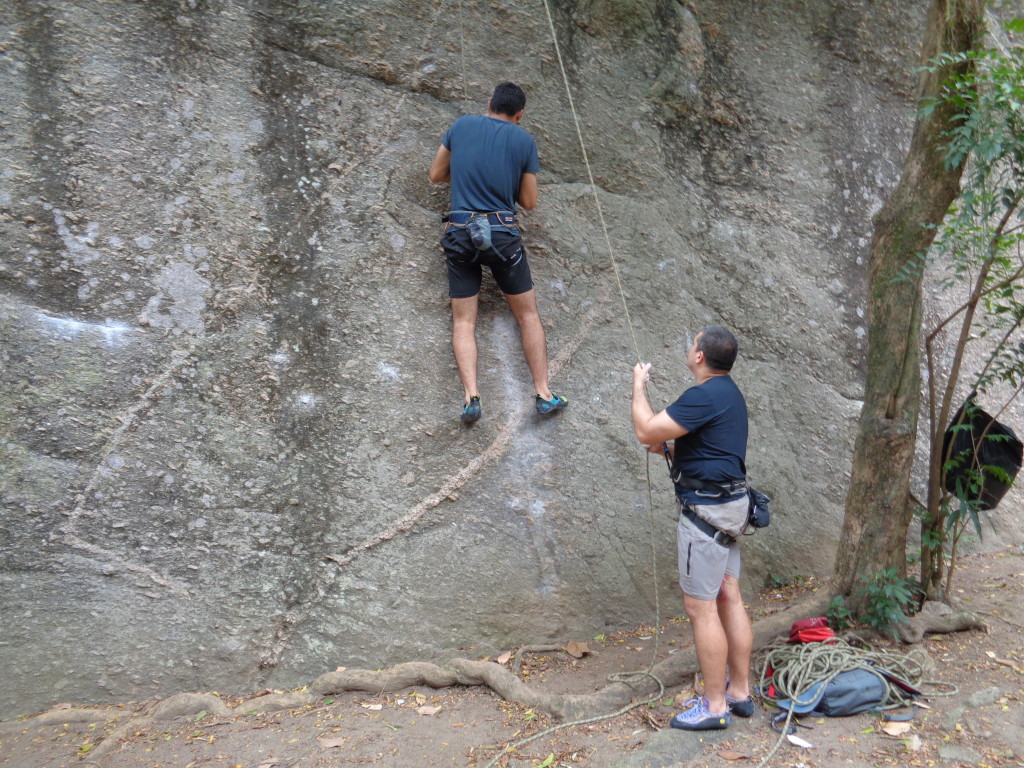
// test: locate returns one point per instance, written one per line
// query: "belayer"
(708, 424)
(492, 164)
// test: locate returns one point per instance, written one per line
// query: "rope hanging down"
(623, 677)
(590, 176)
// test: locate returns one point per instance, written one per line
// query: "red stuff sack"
(814, 630)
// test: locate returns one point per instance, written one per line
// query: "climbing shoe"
(544, 407)
(698, 718)
(471, 410)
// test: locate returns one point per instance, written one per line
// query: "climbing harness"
(478, 225)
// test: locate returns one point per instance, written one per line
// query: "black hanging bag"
(975, 441)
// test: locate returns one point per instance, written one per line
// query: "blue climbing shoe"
(544, 407)
(698, 718)
(471, 410)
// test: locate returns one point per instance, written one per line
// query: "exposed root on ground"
(673, 671)
(517, 659)
(938, 618)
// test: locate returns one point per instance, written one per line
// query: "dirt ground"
(983, 724)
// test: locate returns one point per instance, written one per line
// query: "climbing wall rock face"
(228, 417)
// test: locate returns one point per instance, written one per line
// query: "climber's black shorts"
(511, 270)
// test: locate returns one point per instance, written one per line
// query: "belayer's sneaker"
(740, 707)
(471, 411)
(544, 407)
(698, 718)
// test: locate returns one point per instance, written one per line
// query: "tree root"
(59, 717)
(937, 617)
(517, 659)
(562, 707)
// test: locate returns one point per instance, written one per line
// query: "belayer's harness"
(757, 513)
(719, 537)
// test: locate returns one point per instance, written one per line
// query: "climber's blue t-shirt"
(714, 449)
(489, 157)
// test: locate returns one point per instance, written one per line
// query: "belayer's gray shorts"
(703, 562)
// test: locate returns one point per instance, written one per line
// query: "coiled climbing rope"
(791, 671)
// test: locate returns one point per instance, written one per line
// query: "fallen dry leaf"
(428, 710)
(340, 669)
(576, 649)
(1007, 663)
(896, 729)
(651, 720)
(327, 743)
(504, 658)
(374, 707)
(728, 754)
(914, 743)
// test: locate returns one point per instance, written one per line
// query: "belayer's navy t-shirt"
(715, 447)
(489, 157)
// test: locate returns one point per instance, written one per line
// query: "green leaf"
(1014, 25)
(548, 761)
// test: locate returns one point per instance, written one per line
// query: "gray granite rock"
(952, 753)
(229, 449)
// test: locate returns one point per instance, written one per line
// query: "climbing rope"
(590, 176)
(622, 677)
(794, 669)
(583, 721)
(462, 53)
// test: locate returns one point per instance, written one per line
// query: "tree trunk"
(878, 507)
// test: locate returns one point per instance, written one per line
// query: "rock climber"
(708, 424)
(492, 164)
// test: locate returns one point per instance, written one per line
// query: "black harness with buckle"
(718, 490)
(478, 224)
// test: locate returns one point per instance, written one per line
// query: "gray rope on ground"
(795, 668)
